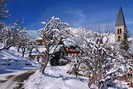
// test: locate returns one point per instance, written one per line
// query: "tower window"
(119, 38)
(120, 31)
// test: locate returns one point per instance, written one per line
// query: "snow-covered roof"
(69, 42)
(55, 48)
(38, 38)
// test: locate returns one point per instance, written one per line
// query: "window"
(120, 31)
(119, 38)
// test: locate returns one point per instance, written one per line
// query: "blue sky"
(75, 12)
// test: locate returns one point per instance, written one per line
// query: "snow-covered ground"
(15, 80)
(11, 61)
(13, 64)
(56, 78)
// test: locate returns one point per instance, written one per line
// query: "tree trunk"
(18, 49)
(44, 65)
(23, 52)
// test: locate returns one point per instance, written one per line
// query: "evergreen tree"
(124, 43)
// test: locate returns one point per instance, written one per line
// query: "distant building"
(39, 41)
(121, 28)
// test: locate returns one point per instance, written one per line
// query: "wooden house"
(72, 51)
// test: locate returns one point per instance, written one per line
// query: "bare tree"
(97, 54)
(99, 58)
(14, 36)
(54, 31)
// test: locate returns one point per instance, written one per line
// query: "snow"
(43, 22)
(130, 45)
(41, 49)
(55, 78)
(55, 48)
(69, 42)
(13, 64)
(12, 61)
(38, 38)
(14, 80)
(1, 45)
(111, 37)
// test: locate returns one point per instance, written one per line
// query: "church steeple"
(120, 25)
(120, 20)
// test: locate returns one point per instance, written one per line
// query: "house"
(39, 41)
(72, 51)
(61, 52)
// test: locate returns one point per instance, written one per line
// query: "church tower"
(121, 28)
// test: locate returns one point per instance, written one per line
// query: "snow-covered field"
(15, 80)
(11, 61)
(13, 64)
(56, 78)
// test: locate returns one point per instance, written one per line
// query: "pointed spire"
(120, 20)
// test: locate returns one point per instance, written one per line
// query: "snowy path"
(5, 75)
(15, 80)
(14, 69)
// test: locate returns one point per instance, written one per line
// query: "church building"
(121, 28)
